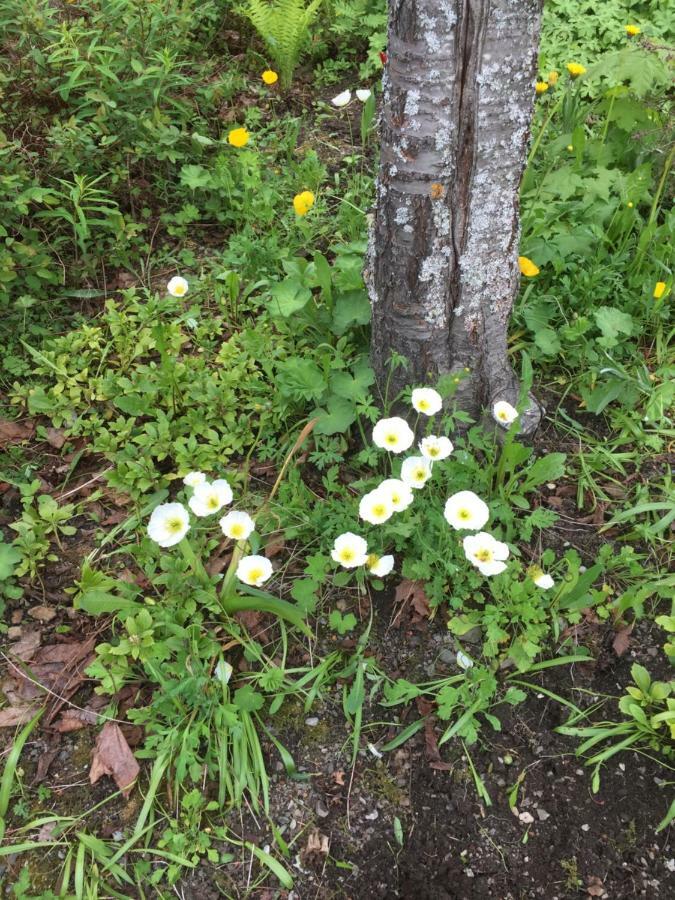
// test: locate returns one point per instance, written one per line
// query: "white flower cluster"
(170, 522)
(464, 510)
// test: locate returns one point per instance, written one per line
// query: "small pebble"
(312, 721)
(585, 827)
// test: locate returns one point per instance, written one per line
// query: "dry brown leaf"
(12, 716)
(42, 613)
(56, 437)
(316, 848)
(339, 777)
(274, 546)
(413, 592)
(112, 756)
(25, 648)
(595, 887)
(621, 641)
(74, 719)
(11, 432)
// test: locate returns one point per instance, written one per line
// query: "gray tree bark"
(442, 269)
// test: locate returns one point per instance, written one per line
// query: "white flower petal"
(393, 434)
(192, 479)
(381, 566)
(436, 448)
(363, 94)
(504, 413)
(342, 99)
(465, 510)
(254, 570)
(463, 661)
(427, 401)
(237, 525)
(415, 471)
(544, 581)
(169, 523)
(399, 493)
(350, 550)
(208, 499)
(177, 286)
(375, 507)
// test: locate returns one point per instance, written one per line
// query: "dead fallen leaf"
(25, 648)
(16, 715)
(411, 592)
(274, 546)
(621, 641)
(46, 832)
(315, 849)
(42, 613)
(112, 756)
(56, 437)
(595, 887)
(10, 432)
(339, 777)
(74, 719)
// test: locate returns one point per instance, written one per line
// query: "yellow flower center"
(237, 531)
(395, 499)
(433, 452)
(346, 555)
(391, 439)
(212, 502)
(373, 560)
(423, 404)
(420, 474)
(464, 514)
(174, 525)
(484, 555)
(255, 574)
(502, 415)
(379, 510)
(179, 290)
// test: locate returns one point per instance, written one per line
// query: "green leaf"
(248, 700)
(342, 624)
(612, 322)
(194, 177)
(304, 592)
(547, 341)
(9, 559)
(337, 418)
(351, 308)
(131, 404)
(288, 297)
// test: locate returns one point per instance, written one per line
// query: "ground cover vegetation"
(218, 536)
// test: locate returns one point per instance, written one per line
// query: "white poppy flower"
(237, 525)
(415, 471)
(486, 553)
(435, 448)
(463, 661)
(192, 479)
(223, 671)
(375, 507)
(380, 566)
(363, 94)
(208, 499)
(350, 550)
(504, 413)
(254, 570)
(177, 287)
(342, 99)
(393, 434)
(427, 401)
(544, 581)
(465, 510)
(399, 493)
(169, 523)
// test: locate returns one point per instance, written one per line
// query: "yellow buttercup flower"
(303, 202)
(238, 137)
(553, 77)
(541, 87)
(576, 69)
(527, 267)
(659, 290)
(269, 76)
(632, 30)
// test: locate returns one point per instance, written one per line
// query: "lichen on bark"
(442, 268)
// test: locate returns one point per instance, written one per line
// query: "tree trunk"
(442, 270)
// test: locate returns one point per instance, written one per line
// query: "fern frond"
(284, 27)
